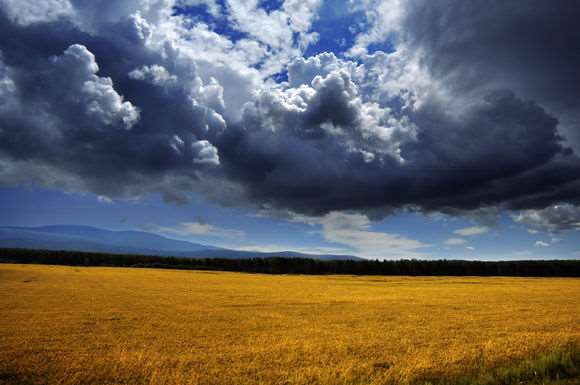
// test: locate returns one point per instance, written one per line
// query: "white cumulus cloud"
(195, 229)
(101, 101)
(455, 241)
(470, 231)
(27, 12)
(354, 231)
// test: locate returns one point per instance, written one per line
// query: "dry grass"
(67, 325)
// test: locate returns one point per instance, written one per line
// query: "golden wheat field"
(68, 325)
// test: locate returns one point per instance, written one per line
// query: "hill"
(93, 239)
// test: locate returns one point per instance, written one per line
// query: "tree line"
(284, 265)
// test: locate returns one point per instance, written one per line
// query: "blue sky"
(327, 126)
(243, 229)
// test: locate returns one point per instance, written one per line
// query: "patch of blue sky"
(427, 229)
(501, 241)
(280, 76)
(386, 46)
(39, 207)
(271, 5)
(337, 28)
(219, 25)
(504, 241)
(509, 240)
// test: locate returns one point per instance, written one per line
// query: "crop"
(70, 325)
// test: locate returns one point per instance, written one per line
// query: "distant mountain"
(239, 254)
(92, 239)
(85, 238)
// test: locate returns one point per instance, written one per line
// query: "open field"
(69, 325)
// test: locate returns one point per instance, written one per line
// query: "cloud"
(384, 18)
(275, 247)
(470, 248)
(7, 85)
(62, 114)
(26, 12)
(353, 230)
(455, 241)
(155, 74)
(102, 199)
(101, 101)
(205, 153)
(366, 156)
(541, 244)
(196, 229)
(470, 231)
(274, 36)
(212, 6)
(555, 218)
(472, 55)
(129, 98)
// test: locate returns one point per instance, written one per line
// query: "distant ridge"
(93, 239)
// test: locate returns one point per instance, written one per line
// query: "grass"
(548, 368)
(69, 325)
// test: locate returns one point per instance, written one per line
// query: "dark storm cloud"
(502, 151)
(71, 111)
(520, 62)
(530, 47)
(94, 103)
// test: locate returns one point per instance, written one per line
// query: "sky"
(378, 128)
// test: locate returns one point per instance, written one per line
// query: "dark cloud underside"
(476, 108)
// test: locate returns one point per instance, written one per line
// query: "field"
(68, 325)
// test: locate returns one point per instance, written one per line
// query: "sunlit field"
(69, 325)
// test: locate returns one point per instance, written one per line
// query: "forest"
(284, 265)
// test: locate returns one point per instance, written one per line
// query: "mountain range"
(93, 239)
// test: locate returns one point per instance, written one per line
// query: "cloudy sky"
(382, 128)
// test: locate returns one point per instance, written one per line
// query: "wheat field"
(85, 326)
